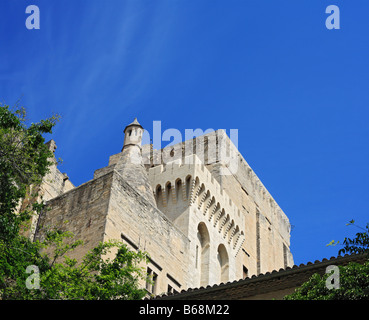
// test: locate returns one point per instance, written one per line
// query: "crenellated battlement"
(191, 183)
(217, 152)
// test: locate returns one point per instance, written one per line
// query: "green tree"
(353, 278)
(353, 285)
(359, 244)
(97, 277)
(24, 161)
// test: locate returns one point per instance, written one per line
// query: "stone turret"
(130, 164)
(133, 135)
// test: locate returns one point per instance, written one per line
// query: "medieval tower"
(201, 222)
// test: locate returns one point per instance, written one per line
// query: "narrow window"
(169, 192)
(148, 282)
(154, 280)
(178, 189)
(245, 272)
(204, 254)
(188, 181)
(223, 264)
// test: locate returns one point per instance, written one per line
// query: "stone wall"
(194, 201)
(267, 228)
(142, 226)
(81, 211)
(54, 184)
(109, 208)
(211, 221)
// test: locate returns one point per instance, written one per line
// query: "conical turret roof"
(135, 123)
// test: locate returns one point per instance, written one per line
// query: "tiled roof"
(283, 279)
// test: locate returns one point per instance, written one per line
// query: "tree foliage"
(24, 160)
(96, 277)
(108, 271)
(353, 285)
(353, 278)
(359, 244)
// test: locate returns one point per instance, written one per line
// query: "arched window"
(223, 264)
(204, 254)
(178, 189)
(188, 186)
(159, 196)
(168, 188)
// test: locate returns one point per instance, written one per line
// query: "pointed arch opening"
(188, 186)
(168, 189)
(223, 261)
(178, 189)
(159, 196)
(204, 254)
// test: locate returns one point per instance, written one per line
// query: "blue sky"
(296, 91)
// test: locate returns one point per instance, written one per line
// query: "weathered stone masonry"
(201, 221)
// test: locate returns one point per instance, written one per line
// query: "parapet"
(203, 191)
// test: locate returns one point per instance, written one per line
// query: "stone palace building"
(201, 222)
